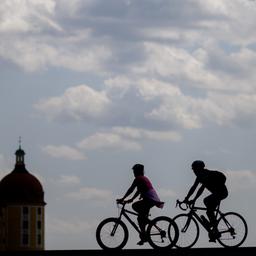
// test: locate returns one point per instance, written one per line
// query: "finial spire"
(20, 154)
(19, 142)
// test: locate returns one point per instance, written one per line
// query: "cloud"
(241, 180)
(125, 138)
(108, 140)
(168, 61)
(69, 180)
(136, 133)
(37, 53)
(58, 226)
(17, 15)
(77, 103)
(117, 138)
(167, 193)
(99, 37)
(90, 193)
(151, 104)
(63, 151)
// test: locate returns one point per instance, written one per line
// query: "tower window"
(25, 224)
(25, 239)
(39, 239)
(25, 210)
(39, 225)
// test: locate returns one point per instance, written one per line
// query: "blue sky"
(96, 86)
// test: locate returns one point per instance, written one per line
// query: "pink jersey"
(147, 191)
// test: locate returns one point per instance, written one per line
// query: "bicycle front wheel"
(188, 231)
(162, 233)
(112, 233)
(232, 228)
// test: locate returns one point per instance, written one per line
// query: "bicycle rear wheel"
(188, 231)
(162, 233)
(233, 229)
(112, 233)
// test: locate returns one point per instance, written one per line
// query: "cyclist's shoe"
(213, 235)
(143, 239)
(141, 242)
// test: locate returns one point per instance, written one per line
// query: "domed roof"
(21, 187)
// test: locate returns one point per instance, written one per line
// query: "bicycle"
(112, 233)
(231, 227)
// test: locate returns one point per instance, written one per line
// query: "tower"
(21, 209)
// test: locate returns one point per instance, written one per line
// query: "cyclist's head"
(138, 169)
(198, 165)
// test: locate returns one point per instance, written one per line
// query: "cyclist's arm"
(137, 193)
(129, 191)
(199, 192)
(192, 190)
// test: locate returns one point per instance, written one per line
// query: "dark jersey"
(214, 181)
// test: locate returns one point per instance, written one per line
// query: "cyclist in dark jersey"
(214, 182)
(148, 196)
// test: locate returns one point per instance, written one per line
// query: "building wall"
(23, 228)
(3, 233)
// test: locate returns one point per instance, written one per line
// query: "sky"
(95, 86)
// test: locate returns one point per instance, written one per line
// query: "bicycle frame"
(124, 212)
(228, 226)
(193, 213)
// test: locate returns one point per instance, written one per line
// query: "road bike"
(231, 227)
(112, 233)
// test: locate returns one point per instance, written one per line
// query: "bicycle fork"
(184, 229)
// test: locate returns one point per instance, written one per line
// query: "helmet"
(138, 169)
(198, 164)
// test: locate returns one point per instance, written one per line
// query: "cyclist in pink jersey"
(148, 198)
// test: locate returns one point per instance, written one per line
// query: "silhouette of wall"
(248, 251)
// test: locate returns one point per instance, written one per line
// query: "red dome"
(21, 187)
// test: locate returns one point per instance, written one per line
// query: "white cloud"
(152, 88)
(59, 226)
(168, 61)
(90, 193)
(76, 103)
(39, 54)
(33, 38)
(63, 151)
(125, 138)
(69, 180)
(167, 193)
(108, 140)
(135, 133)
(181, 111)
(27, 15)
(241, 180)
(225, 109)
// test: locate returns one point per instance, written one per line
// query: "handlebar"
(124, 202)
(183, 206)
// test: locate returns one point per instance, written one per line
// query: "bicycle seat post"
(217, 210)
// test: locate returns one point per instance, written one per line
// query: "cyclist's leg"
(211, 202)
(142, 207)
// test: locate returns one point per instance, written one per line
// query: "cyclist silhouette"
(214, 181)
(148, 198)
